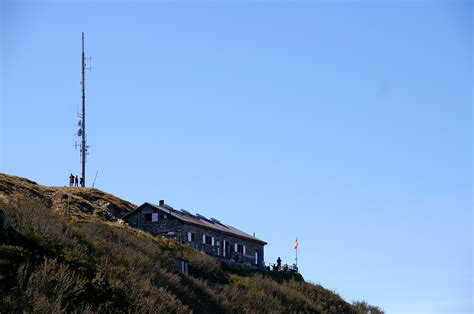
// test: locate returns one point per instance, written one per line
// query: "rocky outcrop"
(7, 233)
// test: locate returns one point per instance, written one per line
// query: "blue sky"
(347, 124)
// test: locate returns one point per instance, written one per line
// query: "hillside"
(66, 250)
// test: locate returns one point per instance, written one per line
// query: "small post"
(68, 202)
(93, 184)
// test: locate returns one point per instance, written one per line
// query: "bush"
(363, 307)
(53, 287)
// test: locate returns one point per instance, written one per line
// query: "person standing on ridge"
(279, 263)
(76, 181)
(71, 180)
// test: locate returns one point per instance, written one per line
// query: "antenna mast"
(82, 123)
(83, 142)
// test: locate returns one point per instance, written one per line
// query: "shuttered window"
(147, 217)
(208, 240)
(191, 237)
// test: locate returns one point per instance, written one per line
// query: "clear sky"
(346, 123)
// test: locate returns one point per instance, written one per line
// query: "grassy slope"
(83, 259)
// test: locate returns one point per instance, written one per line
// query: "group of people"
(75, 181)
(278, 267)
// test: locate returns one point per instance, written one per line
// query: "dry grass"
(85, 262)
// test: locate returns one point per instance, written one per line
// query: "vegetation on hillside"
(59, 259)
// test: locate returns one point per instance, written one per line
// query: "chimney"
(162, 202)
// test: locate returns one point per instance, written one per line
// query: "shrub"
(53, 287)
(363, 307)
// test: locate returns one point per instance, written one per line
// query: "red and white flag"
(296, 244)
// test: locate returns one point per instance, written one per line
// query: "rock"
(4, 220)
(7, 233)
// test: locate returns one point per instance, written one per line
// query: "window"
(240, 248)
(207, 239)
(147, 217)
(191, 237)
(151, 217)
(256, 257)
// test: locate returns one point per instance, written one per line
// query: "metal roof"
(201, 221)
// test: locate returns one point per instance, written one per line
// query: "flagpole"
(296, 253)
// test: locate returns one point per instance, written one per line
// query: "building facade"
(208, 235)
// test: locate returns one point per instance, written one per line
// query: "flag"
(296, 244)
